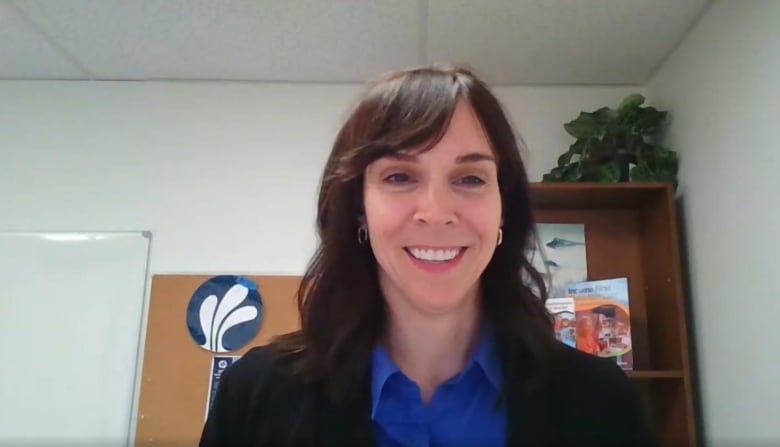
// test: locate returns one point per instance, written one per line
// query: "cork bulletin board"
(177, 371)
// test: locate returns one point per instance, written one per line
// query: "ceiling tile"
(346, 40)
(508, 41)
(559, 41)
(25, 53)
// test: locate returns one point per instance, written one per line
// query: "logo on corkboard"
(225, 313)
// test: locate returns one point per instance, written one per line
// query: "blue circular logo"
(225, 313)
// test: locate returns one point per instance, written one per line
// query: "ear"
(362, 220)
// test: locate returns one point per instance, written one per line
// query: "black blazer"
(588, 401)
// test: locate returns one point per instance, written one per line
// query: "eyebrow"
(472, 157)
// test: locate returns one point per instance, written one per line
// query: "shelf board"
(655, 374)
(596, 195)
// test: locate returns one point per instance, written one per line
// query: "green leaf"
(605, 116)
(641, 173)
(565, 158)
(609, 173)
(578, 146)
(555, 175)
(648, 121)
(573, 172)
(662, 159)
(666, 176)
(585, 126)
(587, 147)
(630, 102)
(658, 165)
(643, 149)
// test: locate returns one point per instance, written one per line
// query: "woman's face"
(433, 218)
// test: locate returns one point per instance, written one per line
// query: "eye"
(398, 177)
(472, 180)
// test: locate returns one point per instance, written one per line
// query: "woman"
(419, 324)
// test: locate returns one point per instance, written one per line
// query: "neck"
(430, 349)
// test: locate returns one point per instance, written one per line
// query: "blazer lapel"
(343, 425)
(528, 422)
(529, 417)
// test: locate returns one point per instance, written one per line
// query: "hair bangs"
(408, 113)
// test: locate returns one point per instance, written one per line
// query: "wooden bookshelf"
(631, 231)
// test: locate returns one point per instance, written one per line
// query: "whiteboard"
(71, 315)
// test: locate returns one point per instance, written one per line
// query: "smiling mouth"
(435, 255)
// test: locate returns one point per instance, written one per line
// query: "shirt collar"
(382, 368)
(485, 355)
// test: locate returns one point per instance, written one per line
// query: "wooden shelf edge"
(562, 195)
(655, 374)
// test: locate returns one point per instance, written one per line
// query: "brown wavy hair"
(342, 310)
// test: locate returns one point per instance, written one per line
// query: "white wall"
(223, 175)
(722, 86)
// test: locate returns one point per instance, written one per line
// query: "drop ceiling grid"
(509, 41)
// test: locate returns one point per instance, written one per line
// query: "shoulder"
(250, 374)
(254, 396)
(596, 397)
(578, 368)
(262, 378)
(254, 368)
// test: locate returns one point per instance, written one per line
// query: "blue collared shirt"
(462, 411)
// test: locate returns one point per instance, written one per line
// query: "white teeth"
(434, 255)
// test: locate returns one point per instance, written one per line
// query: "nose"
(436, 205)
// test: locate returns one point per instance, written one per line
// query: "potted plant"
(616, 146)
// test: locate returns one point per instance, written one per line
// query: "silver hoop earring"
(362, 234)
(500, 237)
